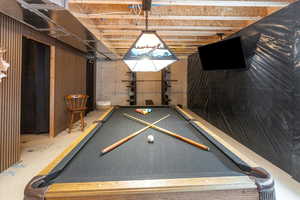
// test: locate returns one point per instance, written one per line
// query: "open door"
(35, 87)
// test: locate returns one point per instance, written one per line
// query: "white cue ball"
(150, 138)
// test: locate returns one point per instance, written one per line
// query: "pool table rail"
(174, 188)
(258, 184)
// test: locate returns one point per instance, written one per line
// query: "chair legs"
(72, 114)
(82, 120)
(71, 121)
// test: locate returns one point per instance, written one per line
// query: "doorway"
(90, 84)
(35, 87)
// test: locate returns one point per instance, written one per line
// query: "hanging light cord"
(146, 20)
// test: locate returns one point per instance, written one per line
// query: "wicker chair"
(76, 104)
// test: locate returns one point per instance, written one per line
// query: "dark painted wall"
(258, 107)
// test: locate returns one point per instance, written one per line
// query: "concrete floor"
(39, 150)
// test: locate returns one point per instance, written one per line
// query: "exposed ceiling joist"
(170, 10)
(182, 24)
(127, 46)
(51, 6)
(167, 17)
(173, 49)
(141, 27)
(182, 33)
(141, 22)
(190, 3)
(169, 43)
(186, 40)
(176, 51)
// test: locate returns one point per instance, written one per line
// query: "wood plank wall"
(10, 93)
(67, 75)
(69, 79)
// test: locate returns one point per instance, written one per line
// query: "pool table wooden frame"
(257, 185)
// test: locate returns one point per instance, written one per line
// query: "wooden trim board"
(52, 92)
(114, 189)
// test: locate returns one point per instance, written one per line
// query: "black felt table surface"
(166, 158)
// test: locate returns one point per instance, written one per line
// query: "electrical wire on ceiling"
(83, 11)
(136, 10)
(133, 10)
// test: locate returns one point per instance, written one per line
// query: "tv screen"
(224, 55)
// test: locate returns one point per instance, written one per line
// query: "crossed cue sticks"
(151, 125)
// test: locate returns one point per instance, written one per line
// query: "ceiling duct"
(54, 20)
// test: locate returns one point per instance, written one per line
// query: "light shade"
(149, 54)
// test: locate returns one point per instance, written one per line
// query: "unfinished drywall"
(109, 85)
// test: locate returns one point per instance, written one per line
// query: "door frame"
(52, 132)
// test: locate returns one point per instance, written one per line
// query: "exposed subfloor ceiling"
(182, 24)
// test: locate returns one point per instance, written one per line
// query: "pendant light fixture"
(148, 53)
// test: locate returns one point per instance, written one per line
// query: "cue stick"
(122, 141)
(192, 142)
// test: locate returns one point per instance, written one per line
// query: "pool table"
(167, 169)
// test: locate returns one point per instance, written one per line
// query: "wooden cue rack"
(132, 90)
(165, 86)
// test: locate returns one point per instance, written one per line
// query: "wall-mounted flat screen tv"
(224, 55)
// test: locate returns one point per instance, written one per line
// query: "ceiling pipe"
(59, 27)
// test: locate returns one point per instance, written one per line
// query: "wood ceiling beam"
(173, 40)
(189, 3)
(141, 27)
(124, 50)
(167, 42)
(167, 17)
(170, 46)
(171, 37)
(176, 53)
(194, 42)
(179, 56)
(141, 22)
(171, 10)
(182, 33)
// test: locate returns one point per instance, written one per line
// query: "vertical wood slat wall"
(10, 93)
(11, 33)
